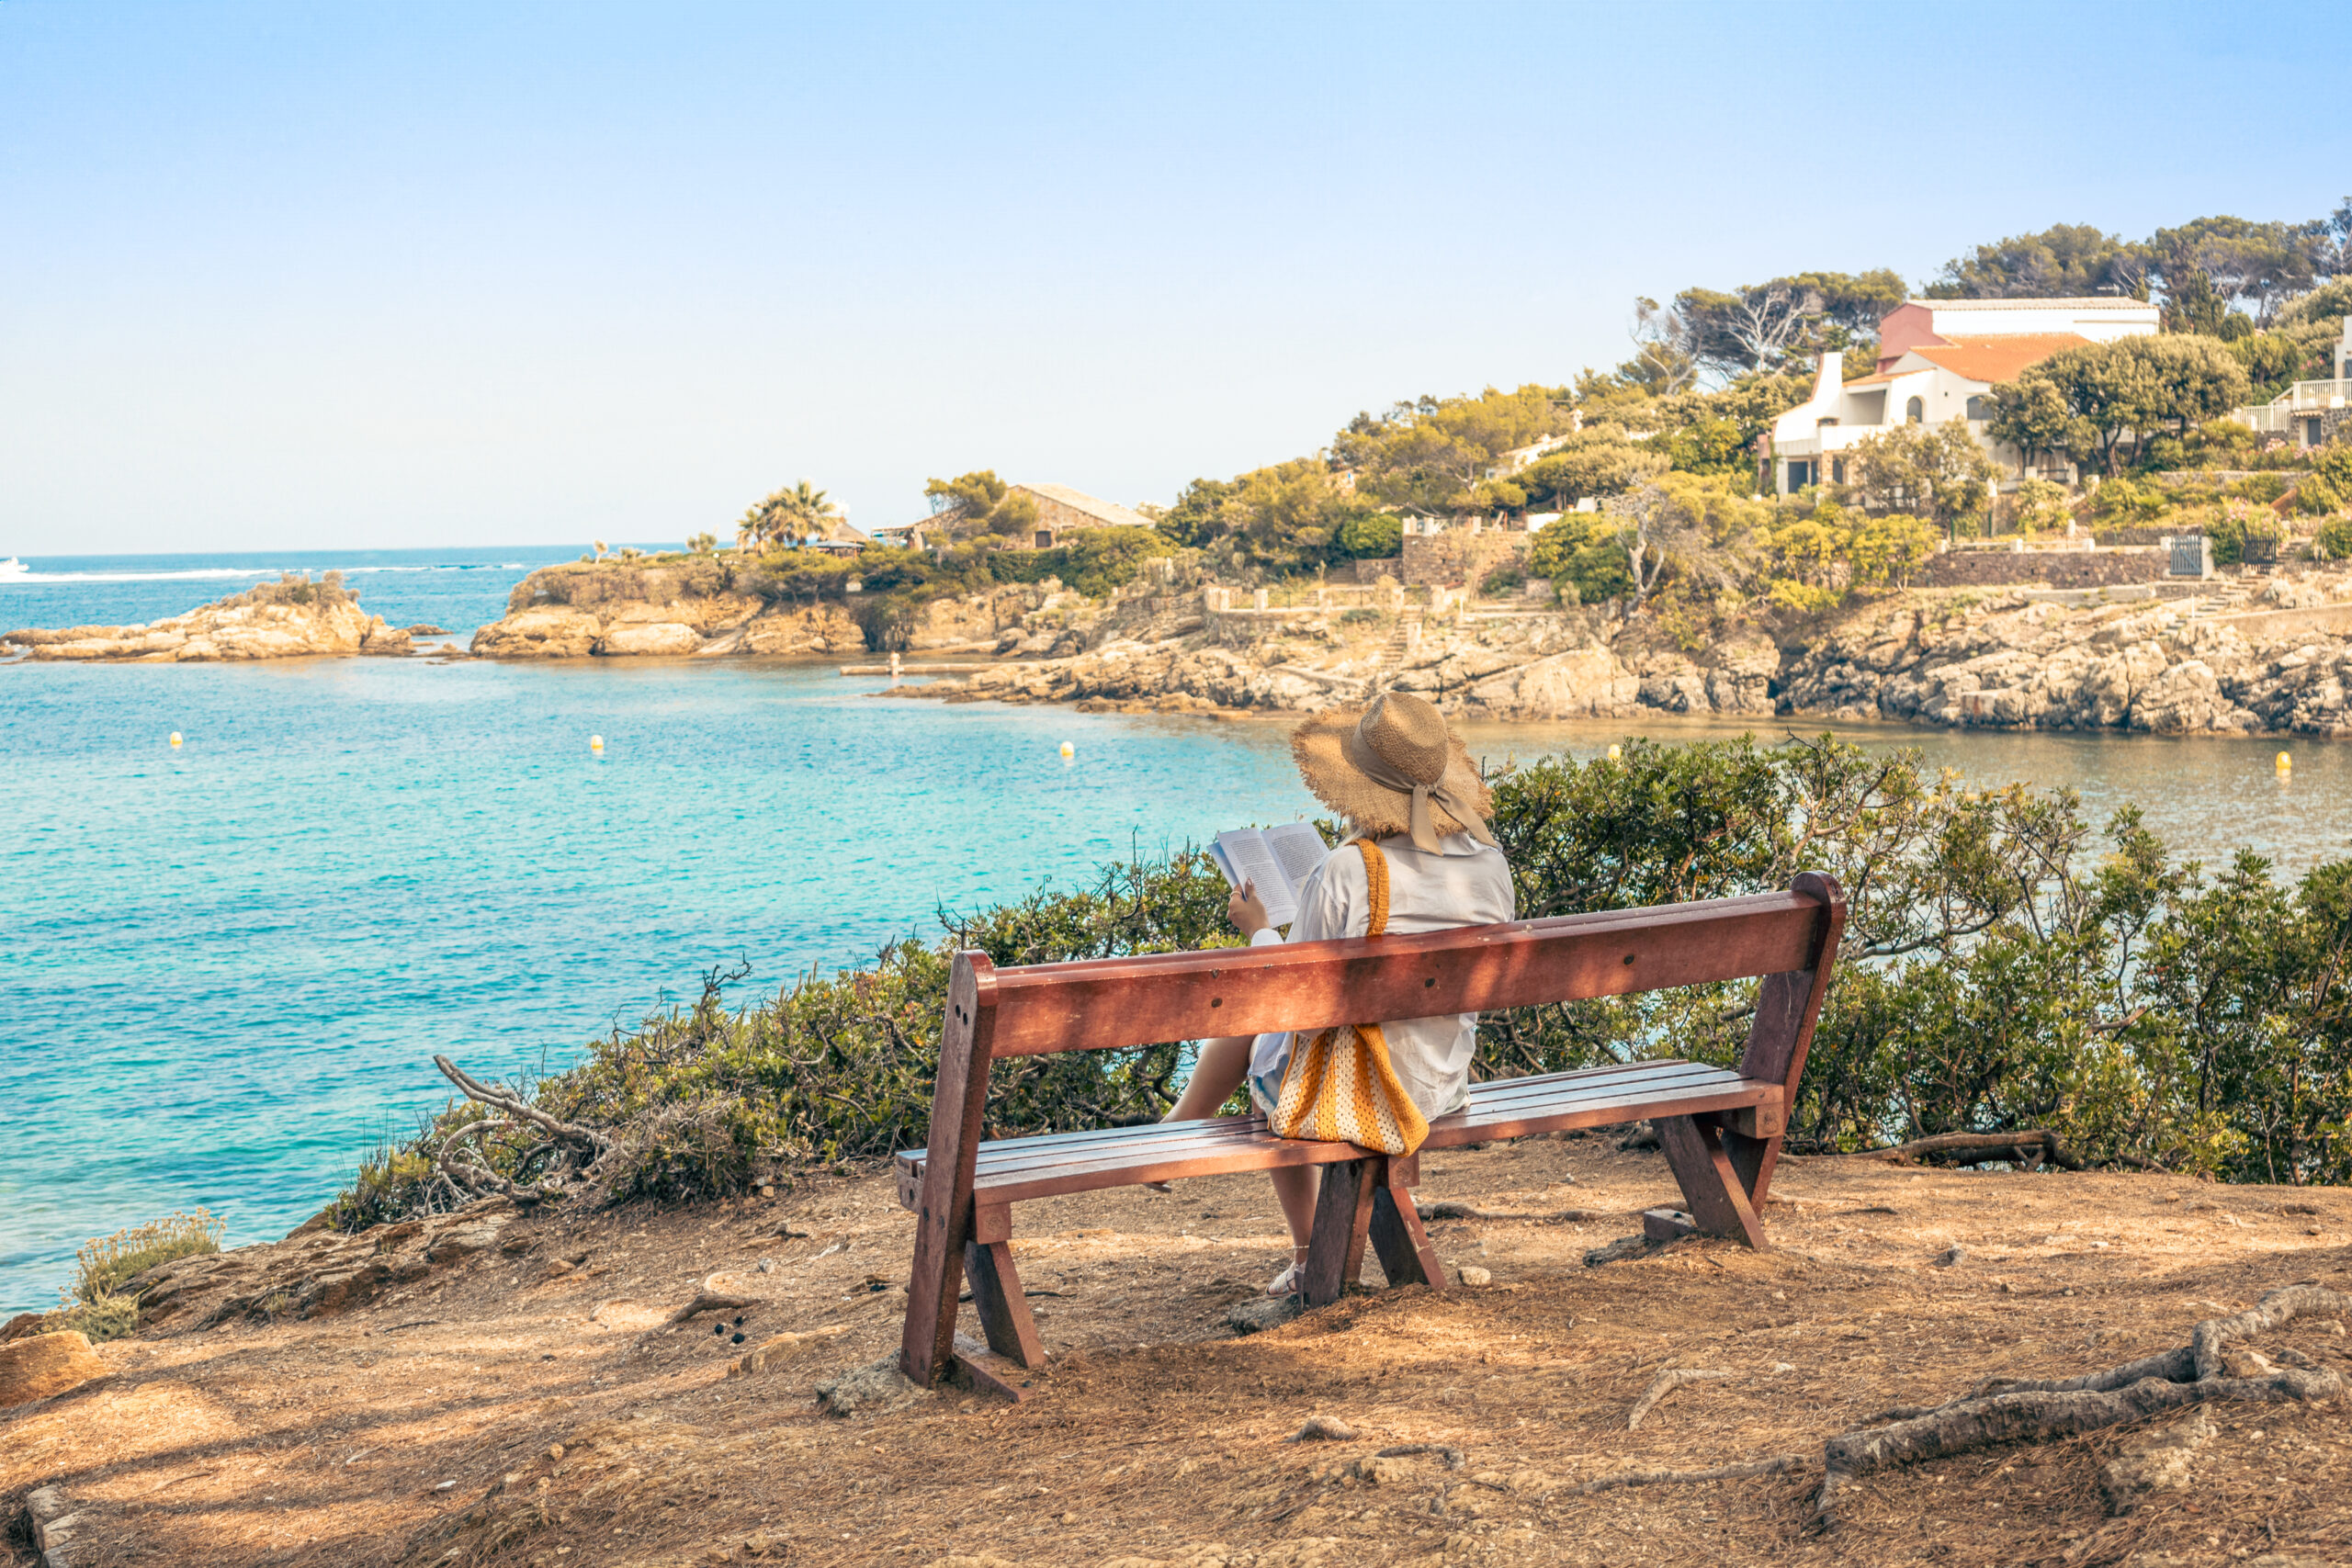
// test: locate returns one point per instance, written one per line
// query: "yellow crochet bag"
(1340, 1087)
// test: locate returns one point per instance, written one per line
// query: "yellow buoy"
(175, 737)
(596, 743)
(1068, 750)
(1615, 752)
(2284, 764)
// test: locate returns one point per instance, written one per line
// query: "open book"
(1278, 860)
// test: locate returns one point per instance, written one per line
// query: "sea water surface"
(229, 964)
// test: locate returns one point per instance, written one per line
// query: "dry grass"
(1156, 1436)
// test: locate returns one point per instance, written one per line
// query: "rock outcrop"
(316, 1272)
(2243, 657)
(2164, 668)
(711, 607)
(291, 618)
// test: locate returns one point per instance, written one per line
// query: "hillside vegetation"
(2006, 967)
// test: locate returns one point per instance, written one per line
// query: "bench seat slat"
(1006, 1156)
(1011, 1170)
(1266, 1154)
(1481, 1095)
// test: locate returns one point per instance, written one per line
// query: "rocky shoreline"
(2242, 657)
(2234, 655)
(291, 618)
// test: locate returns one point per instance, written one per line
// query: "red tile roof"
(1995, 359)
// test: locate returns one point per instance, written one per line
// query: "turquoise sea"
(229, 964)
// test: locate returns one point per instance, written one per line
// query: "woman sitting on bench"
(1403, 781)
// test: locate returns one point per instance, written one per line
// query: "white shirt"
(1465, 884)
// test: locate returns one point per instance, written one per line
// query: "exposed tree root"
(1779, 1464)
(2027, 1410)
(1666, 1383)
(2029, 1147)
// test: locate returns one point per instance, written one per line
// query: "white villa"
(2310, 412)
(1937, 358)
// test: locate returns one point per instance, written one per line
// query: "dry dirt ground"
(490, 1414)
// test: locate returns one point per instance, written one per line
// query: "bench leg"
(1003, 1309)
(1711, 1184)
(1403, 1246)
(1342, 1215)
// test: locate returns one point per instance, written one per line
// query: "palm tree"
(790, 516)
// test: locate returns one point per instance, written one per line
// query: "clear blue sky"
(386, 275)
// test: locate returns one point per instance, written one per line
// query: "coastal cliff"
(2238, 656)
(705, 607)
(290, 618)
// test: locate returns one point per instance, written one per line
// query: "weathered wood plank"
(1122, 1168)
(1342, 1215)
(984, 1372)
(944, 1215)
(1406, 1258)
(1711, 1187)
(1101, 1003)
(1004, 1310)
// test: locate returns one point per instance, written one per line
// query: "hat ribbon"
(1423, 829)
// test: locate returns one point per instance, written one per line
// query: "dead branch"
(1452, 1211)
(2025, 1411)
(1779, 1464)
(1973, 1148)
(1322, 1429)
(511, 1105)
(1663, 1384)
(1453, 1457)
(708, 1299)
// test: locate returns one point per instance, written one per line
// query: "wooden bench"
(1720, 1130)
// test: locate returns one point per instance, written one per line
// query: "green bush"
(2001, 970)
(1583, 553)
(2335, 538)
(1507, 578)
(2316, 497)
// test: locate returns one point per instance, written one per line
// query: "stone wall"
(1459, 558)
(2055, 568)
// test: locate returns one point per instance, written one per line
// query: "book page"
(1248, 858)
(1300, 849)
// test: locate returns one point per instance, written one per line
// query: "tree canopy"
(2104, 401)
(789, 518)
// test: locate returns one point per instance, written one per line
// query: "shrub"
(1507, 578)
(2041, 504)
(2316, 497)
(2335, 538)
(1583, 552)
(95, 1303)
(1999, 971)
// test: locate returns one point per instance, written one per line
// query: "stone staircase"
(1405, 637)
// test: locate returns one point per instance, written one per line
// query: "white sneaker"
(1289, 1281)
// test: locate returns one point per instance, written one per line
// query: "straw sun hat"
(1395, 767)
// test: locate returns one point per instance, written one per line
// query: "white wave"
(258, 574)
(207, 574)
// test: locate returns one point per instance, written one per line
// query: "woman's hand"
(1247, 911)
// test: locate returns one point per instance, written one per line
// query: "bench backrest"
(1097, 1004)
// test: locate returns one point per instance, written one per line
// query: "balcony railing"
(2277, 417)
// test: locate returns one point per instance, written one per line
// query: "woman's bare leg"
(1295, 1188)
(1217, 1073)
